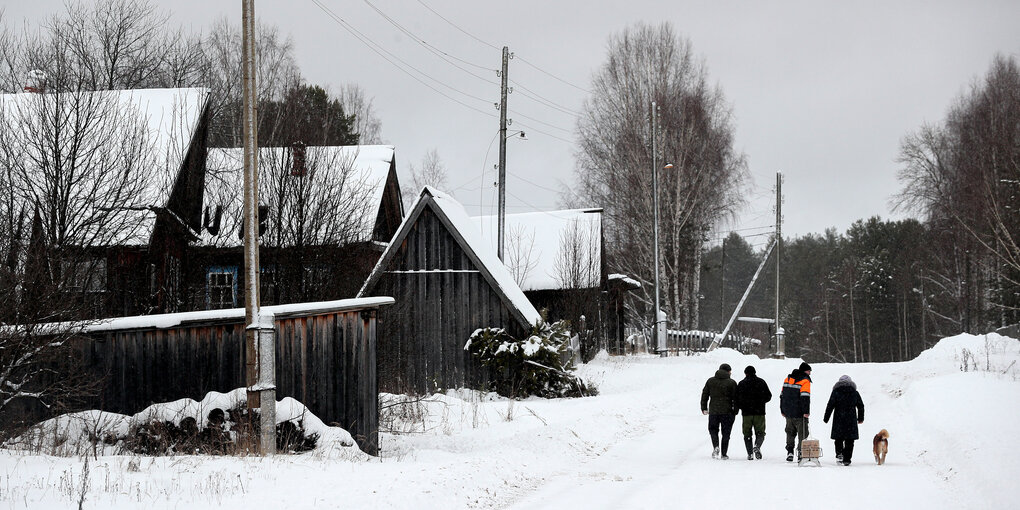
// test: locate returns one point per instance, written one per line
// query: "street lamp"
(660, 319)
(502, 189)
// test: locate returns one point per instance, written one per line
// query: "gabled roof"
(153, 127)
(363, 169)
(539, 238)
(452, 214)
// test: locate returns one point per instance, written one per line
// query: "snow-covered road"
(668, 466)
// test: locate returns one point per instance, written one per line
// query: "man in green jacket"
(719, 402)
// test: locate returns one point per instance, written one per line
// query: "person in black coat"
(752, 394)
(847, 411)
(719, 402)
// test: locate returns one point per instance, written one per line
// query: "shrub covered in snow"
(535, 365)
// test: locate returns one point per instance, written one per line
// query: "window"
(88, 275)
(221, 288)
(267, 285)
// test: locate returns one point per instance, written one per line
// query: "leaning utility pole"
(780, 334)
(260, 341)
(502, 152)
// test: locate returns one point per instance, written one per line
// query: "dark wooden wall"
(441, 299)
(326, 361)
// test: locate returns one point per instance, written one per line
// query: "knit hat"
(845, 378)
(804, 367)
(749, 370)
(725, 367)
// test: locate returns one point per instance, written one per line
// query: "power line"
(745, 229)
(537, 185)
(543, 100)
(436, 51)
(568, 131)
(454, 25)
(582, 89)
(382, 52)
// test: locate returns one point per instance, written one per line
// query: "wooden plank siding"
(441, 299)
(325, 359)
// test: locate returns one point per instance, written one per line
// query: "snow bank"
(103, 433)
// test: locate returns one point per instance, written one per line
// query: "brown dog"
(881, 446)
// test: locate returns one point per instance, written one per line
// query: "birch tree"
(648, 64)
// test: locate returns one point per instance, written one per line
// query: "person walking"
(847, 411)
(752, 394)
(718, 401)
(795, 405)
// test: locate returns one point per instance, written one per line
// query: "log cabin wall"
(441, 299)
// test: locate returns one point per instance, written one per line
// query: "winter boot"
(715, 452)
(789, 456)
(757, 453)
(747, 445)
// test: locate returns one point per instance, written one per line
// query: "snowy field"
(953, 416)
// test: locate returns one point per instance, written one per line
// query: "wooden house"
(447, 282)
(325, 216)
(557, 259)
(108, 185)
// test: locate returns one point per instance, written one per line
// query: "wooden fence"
(325, 358)
(687, 342)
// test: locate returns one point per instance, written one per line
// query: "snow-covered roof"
(453, 213)
(172, 320)
(144, 131)
(535, 241)
(357, 172)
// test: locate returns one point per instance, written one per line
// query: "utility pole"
(780, 334)
(659, 347)
(502, 152)
(722, 286)
(260, 348)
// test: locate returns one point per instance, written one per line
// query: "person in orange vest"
(795, 405)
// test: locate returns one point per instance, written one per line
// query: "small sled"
(810, 452)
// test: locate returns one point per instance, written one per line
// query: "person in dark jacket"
(847, 411)
(752, 394)
(718, 401)
(795, 405)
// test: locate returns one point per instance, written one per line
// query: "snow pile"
(181, 426)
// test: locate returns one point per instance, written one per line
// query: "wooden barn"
(110, 191)
(325, 216)
(325, 358)
(557, 259)
(447, 282)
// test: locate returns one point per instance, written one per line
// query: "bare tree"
(520, 259)
(578, 259)
(106, 45)
(614, 163)
(366, 122)
(963, 175)
(430, 172)
(314, 204)
(276, 72)
(81, 173)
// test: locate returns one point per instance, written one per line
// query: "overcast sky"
(821, 91)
